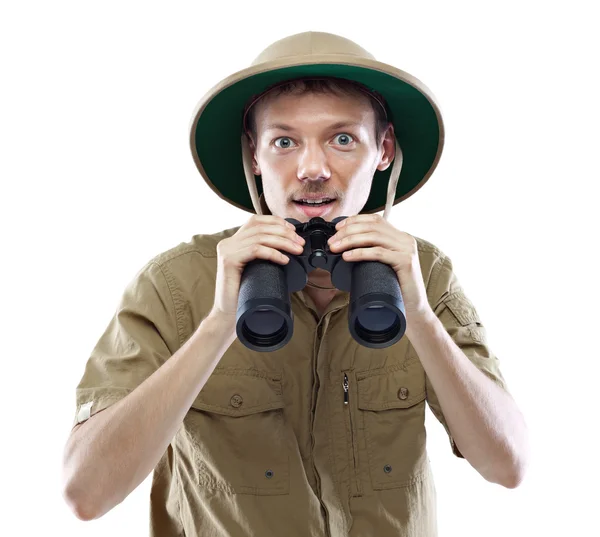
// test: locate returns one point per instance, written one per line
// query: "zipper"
(319, 323)
(346, 385)
(346, 397)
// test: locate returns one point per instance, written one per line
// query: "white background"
(97, 178)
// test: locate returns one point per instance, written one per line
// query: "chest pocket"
(391, 401)
(237, 433)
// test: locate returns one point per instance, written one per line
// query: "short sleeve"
(464, 325)
(140, 337)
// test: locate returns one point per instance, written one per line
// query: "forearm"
(112, 453)
(485, 422)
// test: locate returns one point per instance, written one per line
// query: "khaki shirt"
(268, 447)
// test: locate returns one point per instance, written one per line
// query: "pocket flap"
(394, 387)
(239, 392)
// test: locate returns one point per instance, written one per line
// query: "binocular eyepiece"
(264, 320)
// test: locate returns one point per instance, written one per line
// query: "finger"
(373, 238)
(358, 218)
(268, 219)
(359, 227)
(274, 241)
(376, 253)
(261, 251)
(273, 230)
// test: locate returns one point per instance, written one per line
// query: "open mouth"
(312, 208)
(315, 203)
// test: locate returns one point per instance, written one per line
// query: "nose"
(313, 163)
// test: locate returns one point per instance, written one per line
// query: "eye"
(344, 138)
(286, 145)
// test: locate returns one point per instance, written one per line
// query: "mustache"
(318, 191)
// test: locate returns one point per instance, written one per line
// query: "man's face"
(314, 158)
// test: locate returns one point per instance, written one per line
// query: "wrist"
(418, 320)
(219, 321)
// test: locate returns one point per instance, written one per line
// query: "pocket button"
(403, 393)
(236, 401)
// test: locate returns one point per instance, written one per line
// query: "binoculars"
(264, 319)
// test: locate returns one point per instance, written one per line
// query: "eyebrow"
(337, 125)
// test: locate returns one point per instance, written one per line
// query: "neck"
(320, 278)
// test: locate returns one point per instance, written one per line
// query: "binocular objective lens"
(264, 322)
(377, 319)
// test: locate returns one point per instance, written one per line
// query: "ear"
(388, 149)
(255, 165)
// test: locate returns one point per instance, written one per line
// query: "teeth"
(315, 201)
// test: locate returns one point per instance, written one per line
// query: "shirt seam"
(434, 280)
(178, 313)
(164, 258)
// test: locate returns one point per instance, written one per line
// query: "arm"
(109, 455)
(485, 421)
(482, 418)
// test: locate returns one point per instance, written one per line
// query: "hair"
(327, 86)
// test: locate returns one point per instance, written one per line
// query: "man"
(323, 436)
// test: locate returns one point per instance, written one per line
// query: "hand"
(381, 241)
(262, 236)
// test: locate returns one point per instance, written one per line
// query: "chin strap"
(393, 180)
(251, 181)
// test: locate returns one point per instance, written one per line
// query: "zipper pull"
(345, 389)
